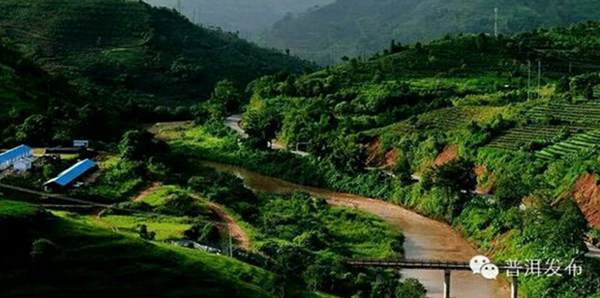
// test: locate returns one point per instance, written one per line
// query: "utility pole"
(194, 17)
(528, 79)
(496, 22)
(570, 67)
(230, 243)
(539, 77)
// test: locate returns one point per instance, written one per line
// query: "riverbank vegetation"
(472, 145)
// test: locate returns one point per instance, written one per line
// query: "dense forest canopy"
(129, 50)
(358, 27)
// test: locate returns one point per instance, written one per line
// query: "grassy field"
(157, 196)
(89, 257)
(165, 227)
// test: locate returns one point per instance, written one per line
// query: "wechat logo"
(482, 265)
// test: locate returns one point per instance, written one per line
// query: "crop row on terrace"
(516, 138)
(588, 112)
(444, 119)
(580, 143)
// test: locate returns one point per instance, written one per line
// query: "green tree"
(35, 130)
(140, 145)
(226, 98)
(410, 288)
(43, 250)
(145, 234)
(458, 181)
(589, 92)
(262, 125)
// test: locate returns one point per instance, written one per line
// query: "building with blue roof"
(71, 174)
(10, 157)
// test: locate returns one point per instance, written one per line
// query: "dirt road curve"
(235, 230)
(241, 237)
(148, 191)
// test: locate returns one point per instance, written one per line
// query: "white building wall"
(22, 165)
(12, 162)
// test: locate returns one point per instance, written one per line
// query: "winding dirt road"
(233, 228)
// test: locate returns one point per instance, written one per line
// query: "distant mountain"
(128, 50)
(359, 27)
(249, 18)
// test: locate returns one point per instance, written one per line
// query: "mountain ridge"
(358, 28)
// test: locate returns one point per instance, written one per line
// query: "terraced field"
(516, 138)
(577, 144)
(444, 119)
(588, 112)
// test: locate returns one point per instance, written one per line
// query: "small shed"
(81, 143)
(68, 176)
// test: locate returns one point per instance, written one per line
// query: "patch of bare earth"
(378, 158)
(374, 150)
(390, 159)
(586, 193)
(447, 155)
(487, 186)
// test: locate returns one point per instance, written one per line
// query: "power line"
(529, 80)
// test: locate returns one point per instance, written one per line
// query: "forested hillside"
(40, 108)
(356, 27)
(497, 136)
(249, 18)
(123, 50)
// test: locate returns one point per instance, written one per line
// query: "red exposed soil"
(374, 149)
(390, 158)
(377, 158)
(449, 153)
(488, 186)
(586, 193)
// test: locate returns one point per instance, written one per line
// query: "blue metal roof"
(16, 152)
(69, 175)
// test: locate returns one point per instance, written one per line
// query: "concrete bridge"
(445, 266)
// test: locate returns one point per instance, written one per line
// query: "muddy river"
(424, 238)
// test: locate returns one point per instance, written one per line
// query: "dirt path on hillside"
(233, 228)
(148, 191)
